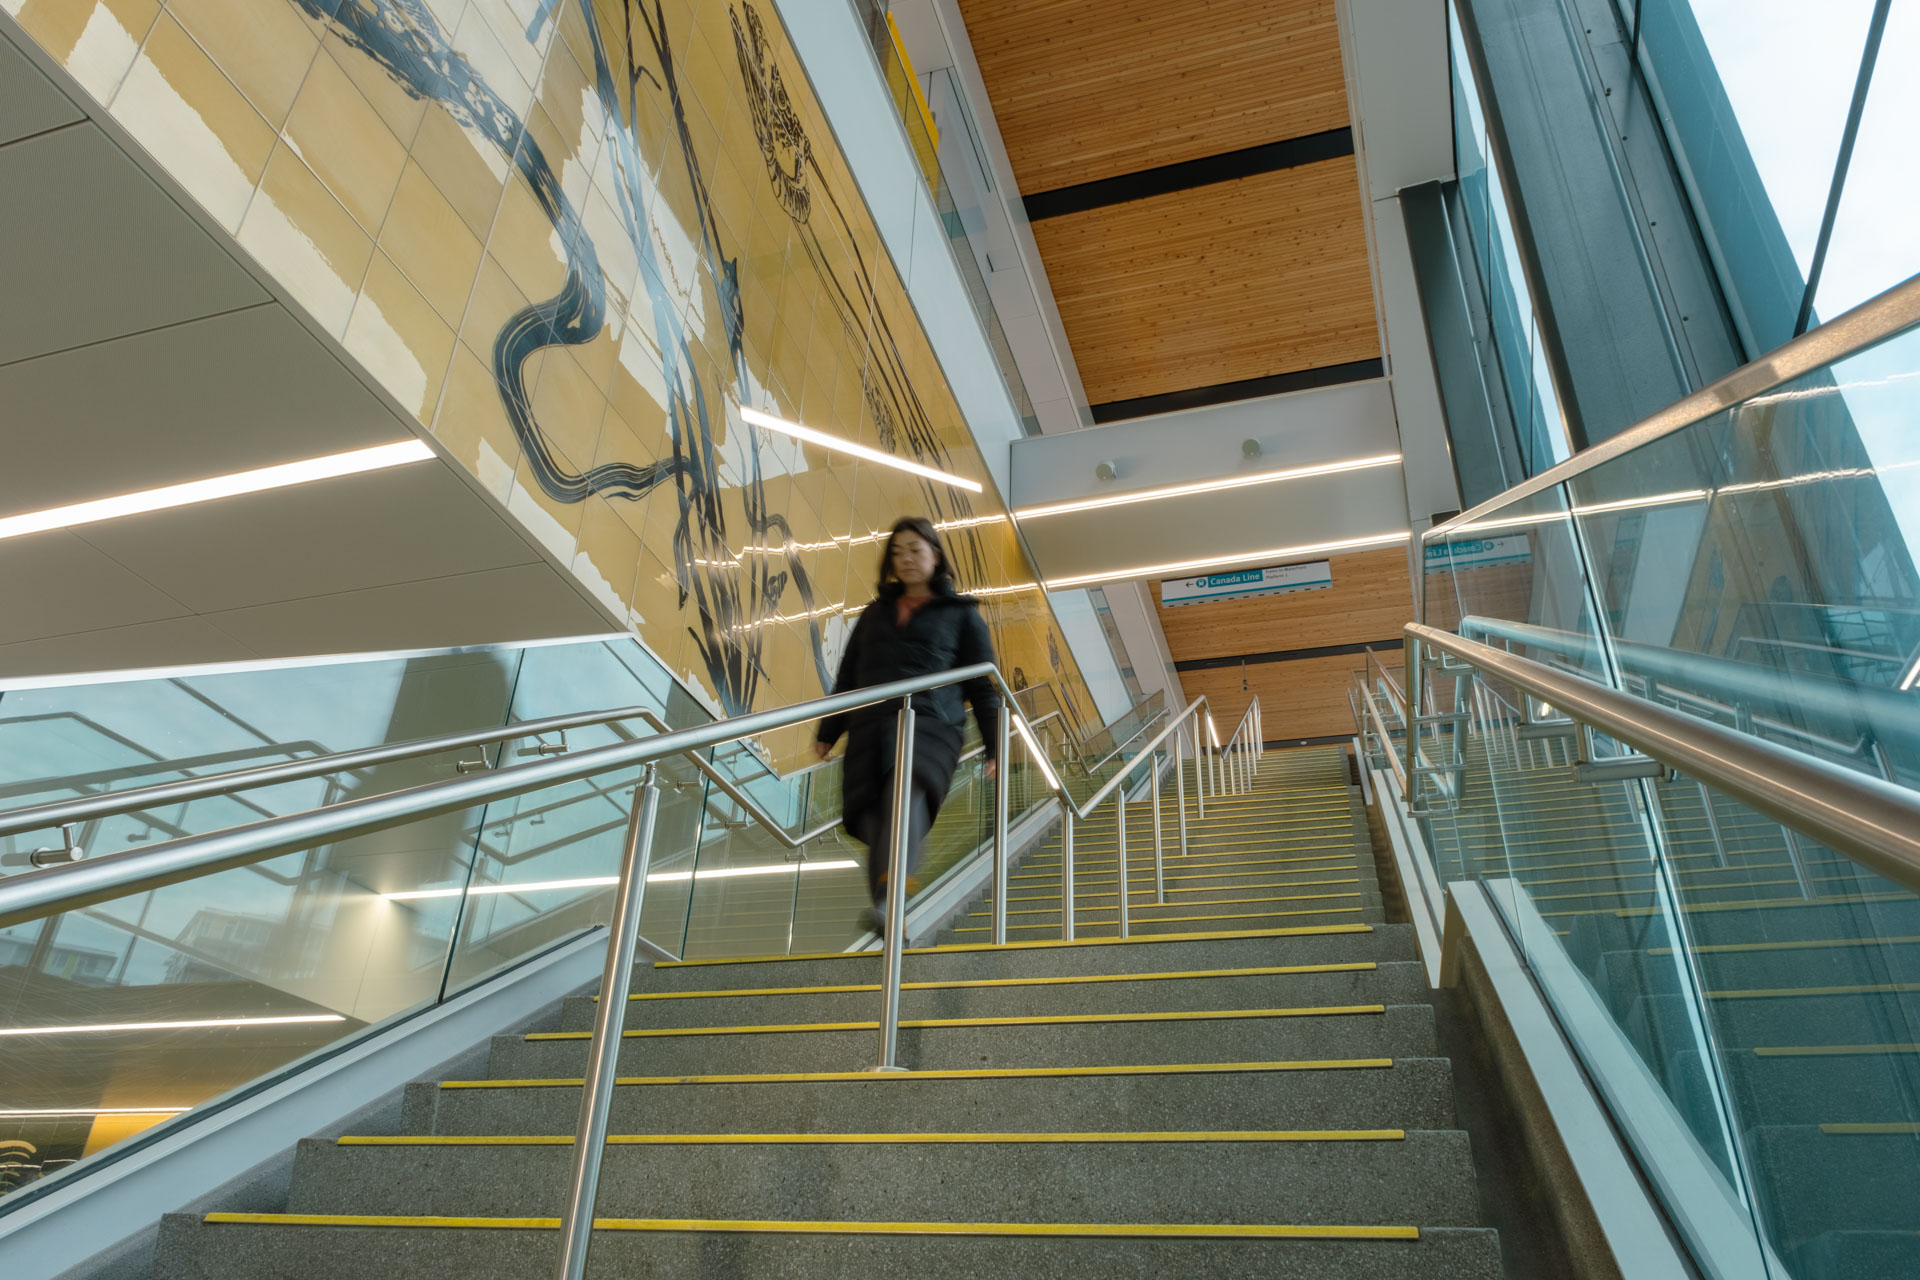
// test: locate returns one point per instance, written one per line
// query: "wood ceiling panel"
(1087, 89)
(1370, 600)
(1234, 280)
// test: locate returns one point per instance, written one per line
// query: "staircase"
(1246, 1087)
(1812, 989)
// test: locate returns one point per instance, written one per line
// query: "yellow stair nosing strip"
(1295, 931)
(1833, 1050)
(885, 1139)
(1149, 906)
(1792, 945)
(963, 1073)
(1901, 1128)
(1247, 915)
(721, 1226)
(1773, 993)
(1265, 971)
(1041, 1020)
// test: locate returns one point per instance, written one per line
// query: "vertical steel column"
(1159, 870)
(896, 907)
(609, 1024)
(1120, 829)
(1066, 867)
(1002, 783)
(1199, 767)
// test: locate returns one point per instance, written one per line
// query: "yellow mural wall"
(573, 237)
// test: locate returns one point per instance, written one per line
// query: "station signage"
(1240, 583)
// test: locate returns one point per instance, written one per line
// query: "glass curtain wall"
(1805, 216)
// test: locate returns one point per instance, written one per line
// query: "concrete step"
(1403, 1093)
(1374, 1031)
(1814, 1179)
(202, 1250)
(1054, 1176)
(1822, 1088)
(1302, 944)
(1359, 982)
(1199, 918)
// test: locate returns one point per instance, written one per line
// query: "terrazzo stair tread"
(1370, 1092)
(1183, 887)
(1107, 926)
(192, 1249)
(1398, 1031)
(1418, 1177)
(1228, 896)
(1299, 944)
(1811, 1181)
(1396, 982)
(1278, 908)
(1856, 1255)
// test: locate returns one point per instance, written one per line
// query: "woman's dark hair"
(942, 573)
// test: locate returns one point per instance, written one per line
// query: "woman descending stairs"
(1260, 1100)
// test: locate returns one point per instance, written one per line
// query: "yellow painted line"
(1145, 878)
(1361, 966)
(1902, 1127)
(724, 1226)
(973, 1073)
(888, 1139)
(1814, 945)
(1295, 931)
(1254, 915)
(1763, 904)
(1835, 1050)
(1148, 892)
(1772, 993)
(1048, 1020)
(1148, 906)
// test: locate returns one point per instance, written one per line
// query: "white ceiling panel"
(172, 642)
(53, 584)
(528, 602)
(29, 103)
(371, 530)
(91, 248)
(205, 397)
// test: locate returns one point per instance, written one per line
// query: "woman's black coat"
(944, 633)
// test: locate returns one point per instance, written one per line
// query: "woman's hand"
(821, 749)
(993, 768)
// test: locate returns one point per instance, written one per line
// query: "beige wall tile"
(467, 167)
(608, 558)
(495, 301)
(264, 46)
(95, 40)
(400, 110)
(472, 423)
(180, 107)
(554, 525)
(397, 336)
(307, 239)
(526, 244)
(432, 246)
(566, 403)
(344, 140)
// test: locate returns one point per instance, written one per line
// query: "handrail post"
(1180, 794)
(896, 907)
(1066, 867)
(609, 1023)
(1159, 870)
(1120, 830)
(1002, 785)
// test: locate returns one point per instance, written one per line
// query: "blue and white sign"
(1246, 582)
(1478, 553)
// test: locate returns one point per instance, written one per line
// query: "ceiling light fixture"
(172, 1026)
(93, 1111)
(1228, 562)
(826, 441)
(1206, 486)
(181, 495)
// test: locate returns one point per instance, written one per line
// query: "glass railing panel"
(1758, 567)
(64, 740)
(1810, 969)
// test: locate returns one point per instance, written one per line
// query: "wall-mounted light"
(1207, 486)
(839, 445)
(1228, 562)
(193, 491)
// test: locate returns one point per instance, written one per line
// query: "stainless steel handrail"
(1872, 321)
(1875, 823)
(1145, 725)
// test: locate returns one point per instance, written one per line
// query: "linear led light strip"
(1039, 756)
(826, 441)
(93, 1111)
(1207, 486)
(591, 882)
(172, 1026)
(1227, 562)
(182, 495)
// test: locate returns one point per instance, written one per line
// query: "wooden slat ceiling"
(1087, 89)
(1243, 278)
(1220, 283)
